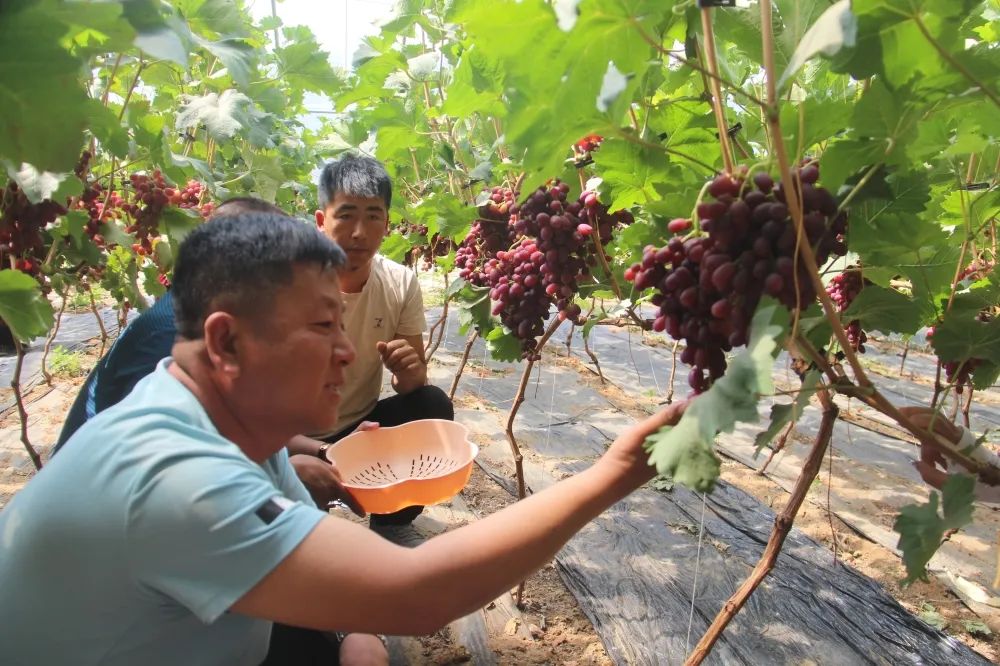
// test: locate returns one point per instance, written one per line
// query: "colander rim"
(473, 452)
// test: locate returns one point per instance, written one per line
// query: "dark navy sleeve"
(143, 343)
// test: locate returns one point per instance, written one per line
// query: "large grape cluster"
(709, 285)
(559, 232)
(843, 289)
(22, 245)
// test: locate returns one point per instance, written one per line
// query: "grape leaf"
(395, 247)
(921, 527)
(684, 452)
(985, 376)
(960, 336)
(23, 306)
(503, 346)
(44, 103)
(886, 310)
(782, 415)
(834, 30)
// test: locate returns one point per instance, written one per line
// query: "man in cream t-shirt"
(384, 310)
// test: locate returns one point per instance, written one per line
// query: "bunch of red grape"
(490, 233)
(517, 285)
(843, 289)
(553, 255)
(102, 207)
(709, 285)
(189, 196)
(22, 245)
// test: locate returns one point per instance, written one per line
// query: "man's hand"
(627, 454)
(405, 363)
(322, 480)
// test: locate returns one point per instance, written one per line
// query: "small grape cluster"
(959, 373)
(587, 144)
(188, 196)
(843, 289)
(490, 233)
(146, 209)
(710, 284)
(102, 207)
(22, 245)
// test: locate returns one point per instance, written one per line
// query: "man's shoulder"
(393, 271)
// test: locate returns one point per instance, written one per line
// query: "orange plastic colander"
(422, 462)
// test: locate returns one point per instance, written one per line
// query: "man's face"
(292, 364)
(356, 224)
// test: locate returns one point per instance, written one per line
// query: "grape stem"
(461, 365)
(713, 67)
(518, 399)
(792, 196)
(22, 413)
(782, 525)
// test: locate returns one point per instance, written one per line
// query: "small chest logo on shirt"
(378, 322)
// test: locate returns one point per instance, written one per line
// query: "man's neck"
(190, 368)
(352, 281)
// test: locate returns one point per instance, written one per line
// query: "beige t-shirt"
(389, 305)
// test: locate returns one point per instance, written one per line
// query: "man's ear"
(320, 219)
(221, 333)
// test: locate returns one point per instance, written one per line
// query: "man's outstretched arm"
(344, 577)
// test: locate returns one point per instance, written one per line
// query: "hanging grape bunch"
(490, 233)
(146, 209)
(553, 255)
(21, 224)
(709, 284)
(843, 289)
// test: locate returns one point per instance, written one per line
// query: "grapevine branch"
(782, 525)
(461, 365)
(713, 67)
(52, 336)
(518, 399)
(22, 413)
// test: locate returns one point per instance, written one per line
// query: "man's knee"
(434, 403)
(363, 650)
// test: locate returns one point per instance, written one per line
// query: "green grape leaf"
(783, 414)
(835, 29)
(39, 185)
(115, 234)
(961, 336)
(44, 104)
(922, 526)
(235, 54)
(684, 452)
(23, 306)
(177, 223)
(395, 247)
(985, 376)
(886, 310)
(631, 172)
(107, 128)
(503, 345)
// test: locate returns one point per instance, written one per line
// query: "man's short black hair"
(237, 205)
(356, 176)
(237, 262)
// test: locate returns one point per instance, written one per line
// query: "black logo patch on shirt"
(269, 511)
(378, 322)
